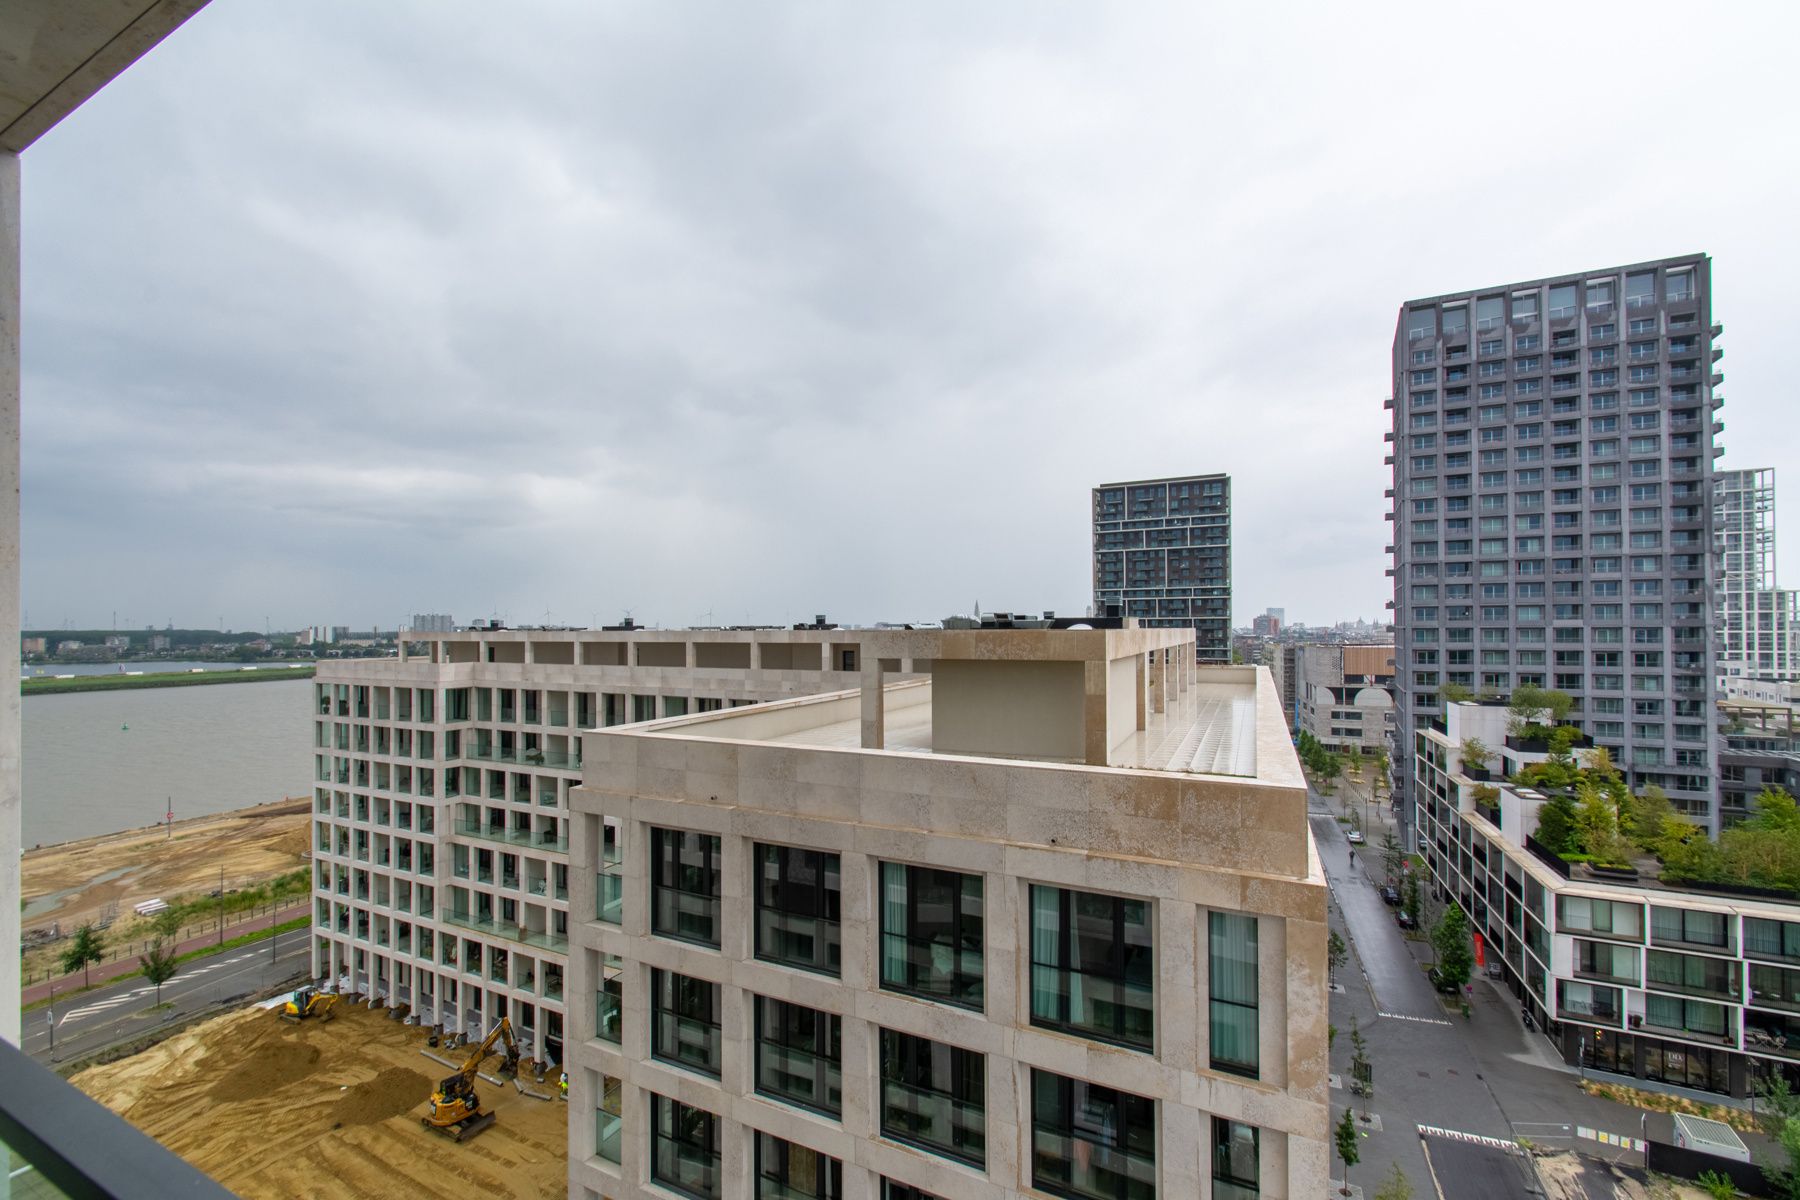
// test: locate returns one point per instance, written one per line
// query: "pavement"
(1467, 1089)
(98, 1019)
(128, 959)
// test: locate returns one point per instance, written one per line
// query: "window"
(785, 1171)
(684, 1148)
(1090, 1142)
(684, 872)
(684, 1027)
(797, 899)
(1092, 966)
(1764, 938)
(934, 1096)
(609, 1005)
(1236, 1174)
(931, 933)
(799, 1055)
(1690, 926)
(1231, 943)
(891, 1190)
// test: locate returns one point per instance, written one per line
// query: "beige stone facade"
(1029, 765)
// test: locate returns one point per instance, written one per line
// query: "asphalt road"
(1469, 1170)
(1400, 988)
(92, 1021)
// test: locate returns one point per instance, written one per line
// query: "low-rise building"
(1343, 693)
(990, 931)
(1681, 985)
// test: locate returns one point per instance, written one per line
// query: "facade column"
(12, 831)
(874, 704)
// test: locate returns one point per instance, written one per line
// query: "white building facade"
(984, 933)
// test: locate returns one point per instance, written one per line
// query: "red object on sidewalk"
(1480, 956)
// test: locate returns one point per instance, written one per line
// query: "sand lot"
(82, 878)
(328, 1109)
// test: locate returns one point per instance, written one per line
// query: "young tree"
(1474, 754)
(1410, 897)
(1556, 825)
(1396, 1186)
(159, 965)
(1391, 856)
(1455, 693)
(87, 946)
(1455, 952)
(1336, 953)
(167, 924)
(1345, 1137)
(1378, 782)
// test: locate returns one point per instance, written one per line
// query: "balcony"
(542, 939)
(544, 840)
(554, 759)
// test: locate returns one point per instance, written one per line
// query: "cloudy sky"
(722, 311)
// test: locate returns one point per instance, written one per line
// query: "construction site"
(335, 1107)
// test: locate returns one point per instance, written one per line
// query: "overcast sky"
(741, 312)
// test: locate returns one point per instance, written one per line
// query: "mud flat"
(327, 1109)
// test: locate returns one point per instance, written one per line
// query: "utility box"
(1710, 1137)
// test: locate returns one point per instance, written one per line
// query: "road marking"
(1406, 1017)
(1478, 1139)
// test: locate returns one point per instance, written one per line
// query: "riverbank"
(45, 685)
(102, 878)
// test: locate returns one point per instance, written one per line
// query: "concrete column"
(1160, 675)
(12, 831)
(874, 703)
(1143, 680)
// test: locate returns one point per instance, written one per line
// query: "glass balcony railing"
(561, 760)
(542, 939)
(531, 839)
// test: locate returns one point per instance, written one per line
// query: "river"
(52, 670)
(102, 762)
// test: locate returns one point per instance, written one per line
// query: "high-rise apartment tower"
(1759, 629)
(1552, 446)
(1162, 553)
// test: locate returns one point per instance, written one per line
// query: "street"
(1466, 1088)
(92, 1021)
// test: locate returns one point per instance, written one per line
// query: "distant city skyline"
(514, 324)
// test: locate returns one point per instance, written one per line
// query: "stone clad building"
(1023, 913)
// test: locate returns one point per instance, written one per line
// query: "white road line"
(1408, 1017)
(1478, 1139)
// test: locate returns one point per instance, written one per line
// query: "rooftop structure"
(888, 940)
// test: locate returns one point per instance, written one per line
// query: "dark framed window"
(1236, 1168)
(684, 880)
(609, 1009)
(799, 1055)
(785, 1171)
(684, 1021)
(798, 895)
(892, 1190)
(1231, 946)
(684, 1148)
(1092, 966)
(1090, 1142)
(934, 1096)
(931, 933)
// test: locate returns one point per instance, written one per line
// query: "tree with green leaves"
(159, 965)
(1556, 830)
(1336, 953)
(1455, 693)
(1780, 1120)
(167, 924)
(1474, 753)
(1453, 947)
(1410, 898)
(85, 948)
(1396, 1186)
(1345, 1137)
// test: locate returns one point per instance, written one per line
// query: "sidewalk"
(102, 973)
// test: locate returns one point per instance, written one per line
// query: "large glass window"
(797, 903)
(1764, 938)
(608, 1008)
(1231, 939)
(1236, 1153)
(785, 1171)
(684, 876)
(1091, 1142)
(798, 1055)
(1690, 926)
(685, 1021)
(893, 1190)
(934, 1096)
(931, 933)
(607, 1120)
(684, 1148)
(1092, 966)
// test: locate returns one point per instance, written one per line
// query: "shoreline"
(51, 685)
(268, 808)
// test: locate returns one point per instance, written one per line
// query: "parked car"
(1390, 895)
(1355, 836)
(1442, 984)
(1405, 920)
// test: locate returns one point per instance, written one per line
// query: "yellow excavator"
(455, 1109)
(308, 1002)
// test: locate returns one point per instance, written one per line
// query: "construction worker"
(562, 1085)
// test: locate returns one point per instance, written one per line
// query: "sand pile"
(327, 1109)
